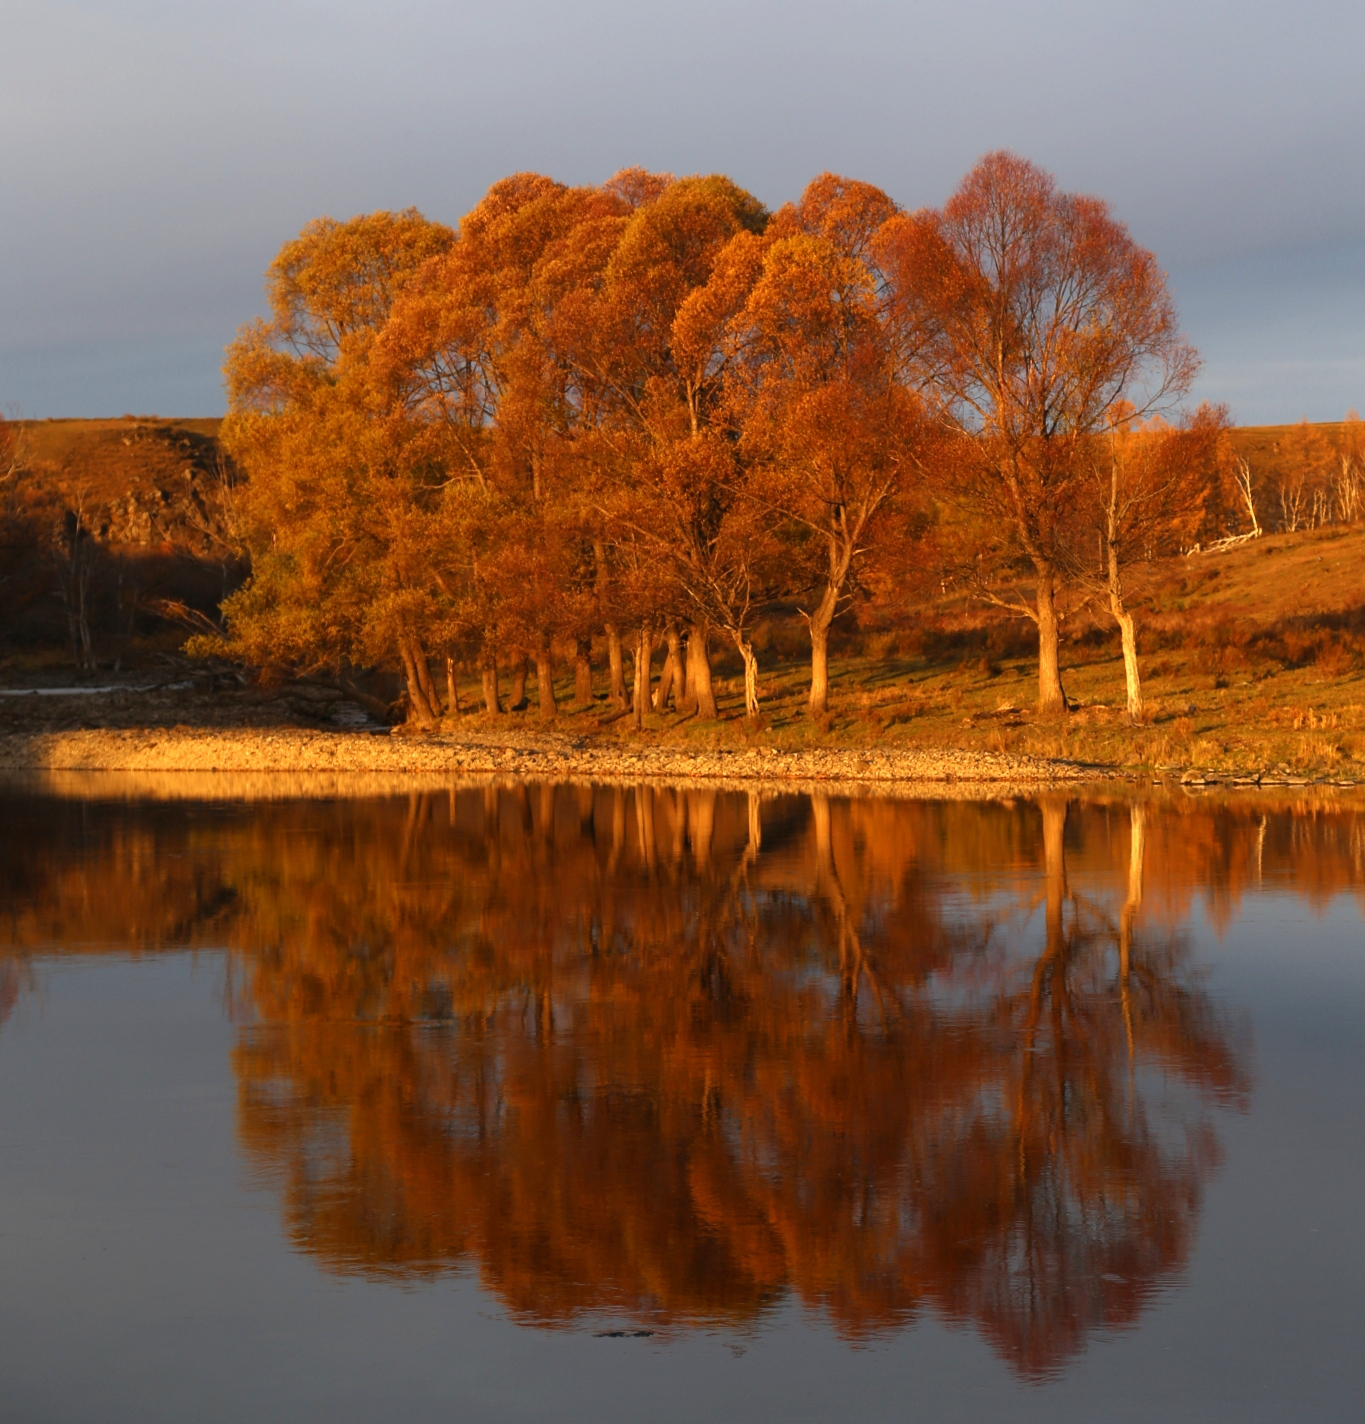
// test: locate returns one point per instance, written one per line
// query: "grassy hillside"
(145, 480)
(1252, 659)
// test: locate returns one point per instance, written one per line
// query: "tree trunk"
(699, 685)
(819, 622)
(582, 672)
(1051, 698)
(643, 644)
(701, 825)
(1128, 636)
(746, 651)
(423, 664)
(488, 673)
(452, 688)
(517, 699)
(419, 707)
(682, 691)
(670, 680)
(1054, 809)
(614, 664)
(545, 684)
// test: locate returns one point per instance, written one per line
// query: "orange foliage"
(646, 404)
(1031, 315)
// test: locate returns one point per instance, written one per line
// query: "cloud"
(155, 156)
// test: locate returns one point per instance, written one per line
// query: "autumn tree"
(648, 351)
(817, 393)
(339, 492)
(1349, 484)
(1304, 486)
(1150, 483)
(1029, 315)
(471, 352)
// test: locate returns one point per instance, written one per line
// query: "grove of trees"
(645, 414)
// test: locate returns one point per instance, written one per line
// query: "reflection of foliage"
(1059, 1201)
(681, 1055)
(652, 1055)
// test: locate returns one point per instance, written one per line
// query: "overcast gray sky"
(155, 155)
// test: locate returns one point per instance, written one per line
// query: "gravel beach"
(303, 750)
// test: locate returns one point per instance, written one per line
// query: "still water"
(604, 1103)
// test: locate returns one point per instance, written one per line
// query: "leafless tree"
(1294, 502)
(1348, 489)
(1248, 493)
(74, 553)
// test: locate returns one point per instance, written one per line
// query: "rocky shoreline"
(302, 750)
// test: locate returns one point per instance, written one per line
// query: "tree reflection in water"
(679, 1056)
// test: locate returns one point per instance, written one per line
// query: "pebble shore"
(297, 750)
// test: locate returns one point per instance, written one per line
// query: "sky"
(154, 156)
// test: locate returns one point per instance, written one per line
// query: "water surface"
(597, 1103)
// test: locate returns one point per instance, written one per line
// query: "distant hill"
(139, 481)
(118, 521)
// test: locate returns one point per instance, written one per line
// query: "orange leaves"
(338, 279)
(1039, 310)
(699, 329)
(667, 251)
(338, 499)
(844, 211)
(811, 311)
(656, 371)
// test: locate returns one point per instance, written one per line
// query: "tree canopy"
(650, 411)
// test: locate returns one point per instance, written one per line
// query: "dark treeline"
(600, 421)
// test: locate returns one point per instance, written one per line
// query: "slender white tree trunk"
(1128, 636)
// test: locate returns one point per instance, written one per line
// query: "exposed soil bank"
(299, 750)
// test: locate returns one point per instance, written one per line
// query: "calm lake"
(618, 1103)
